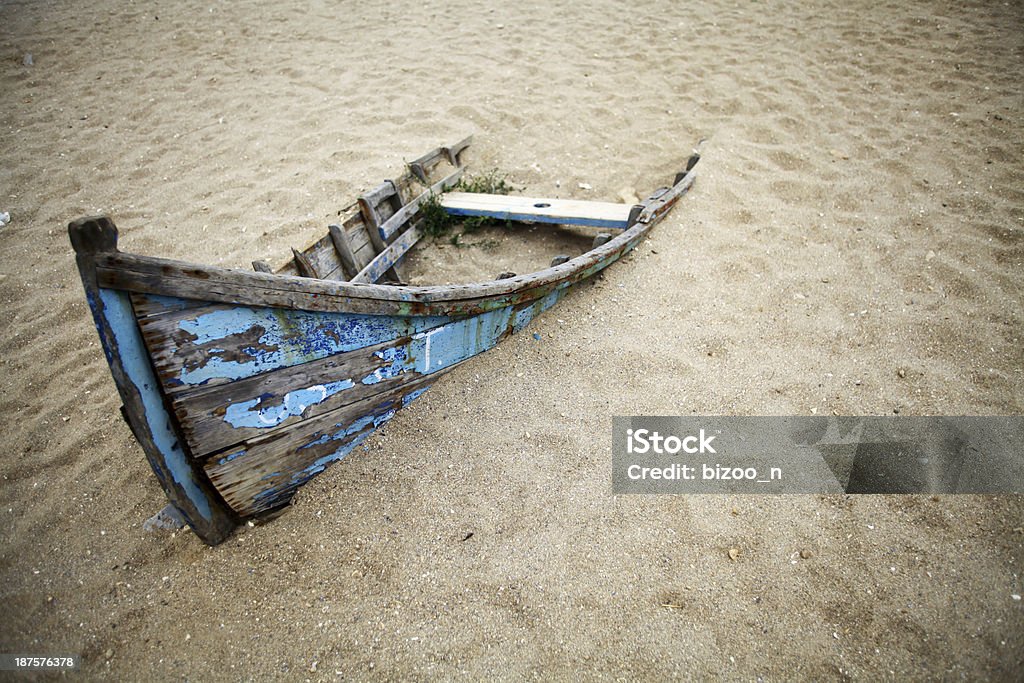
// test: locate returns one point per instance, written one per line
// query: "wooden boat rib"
(240, 386)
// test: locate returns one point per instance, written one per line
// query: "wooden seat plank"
(561, 211)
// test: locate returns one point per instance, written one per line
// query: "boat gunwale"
(153, 275)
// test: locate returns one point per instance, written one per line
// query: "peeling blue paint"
(117, 309)
(286, 338)
(254, 414)
(230, 457)
(523, 317)
(425, 352)
(396, 357)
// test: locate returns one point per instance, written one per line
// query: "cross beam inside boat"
(538, 210)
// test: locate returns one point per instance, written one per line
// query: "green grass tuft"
(437, 221)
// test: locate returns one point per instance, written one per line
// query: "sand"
(854, 244)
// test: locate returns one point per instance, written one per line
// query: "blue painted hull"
(266, 398)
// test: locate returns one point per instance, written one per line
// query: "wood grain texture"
(263, 471)
(378, 206)
(322, 255)
(386, 259)
(218, 344)
(341, 244)
(262, 474)
(303, 266)
(147, 305)
(185, 484)
(215, 417)
(186, 280)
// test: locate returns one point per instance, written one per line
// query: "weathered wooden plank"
(400, 219)
(186, 486)
(322, 257)
(386, 259)
(216, 417)
(378, 195)
(422, 167)
(174, 278)
(354, 229)
(358, 238)
(153, 304)
(377, 206)
(303, 265)
(263, 474)
(154, 284)
(454, 152)
(365, 253)
(221, 344)
(560, 211)
(661, 202)
(345, 253)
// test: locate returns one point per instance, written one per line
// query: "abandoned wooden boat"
(240, 386)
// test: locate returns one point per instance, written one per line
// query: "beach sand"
(853, 245)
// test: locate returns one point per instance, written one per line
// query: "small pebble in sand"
(805, 554)
(5, 218)
(734, 553)
(586, 186)
(901, 372)
(27, 60)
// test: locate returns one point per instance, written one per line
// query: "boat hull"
(241, 386)
(266, 398)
